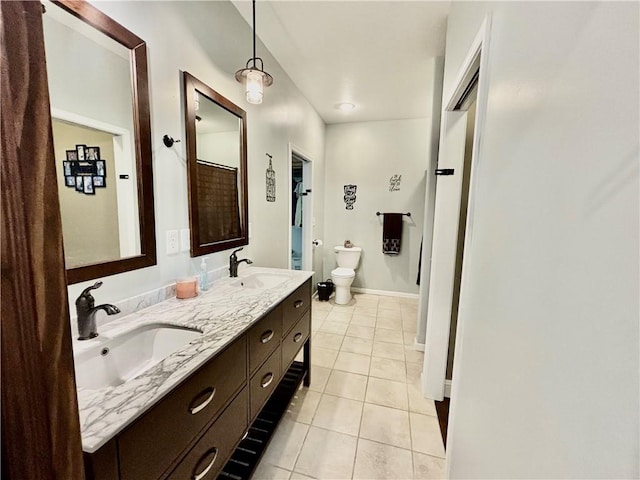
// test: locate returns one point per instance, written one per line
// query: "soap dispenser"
(204, 276)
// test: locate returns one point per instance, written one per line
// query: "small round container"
(186, 287)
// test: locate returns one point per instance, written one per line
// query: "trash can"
(325, 289)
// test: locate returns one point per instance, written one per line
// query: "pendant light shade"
(253, 77)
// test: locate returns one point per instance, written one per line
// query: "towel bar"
(408, 214)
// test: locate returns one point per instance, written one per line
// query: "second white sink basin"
(111, 361)
(261, 280)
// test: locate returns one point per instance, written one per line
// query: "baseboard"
(447, 388)
(385, 293)
(418, 346)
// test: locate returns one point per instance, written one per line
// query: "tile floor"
(363, 417)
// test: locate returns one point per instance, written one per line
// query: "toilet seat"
(341, 272)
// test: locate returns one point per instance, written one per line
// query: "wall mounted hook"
(169, 141)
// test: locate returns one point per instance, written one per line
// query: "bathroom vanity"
(209, 408)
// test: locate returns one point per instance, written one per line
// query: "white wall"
(545, 378)
(368, 154)
(211, 41)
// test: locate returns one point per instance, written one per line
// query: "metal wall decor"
(271, 181)
(84, 170)
(394, 183)
(350, 196)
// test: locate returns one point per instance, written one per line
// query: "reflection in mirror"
(101, 132)
(216, 155)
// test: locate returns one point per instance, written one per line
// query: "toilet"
(342, 277)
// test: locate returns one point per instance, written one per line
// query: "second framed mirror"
(216, 139)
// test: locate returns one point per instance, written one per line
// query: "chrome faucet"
(86, 312)
(234, 262)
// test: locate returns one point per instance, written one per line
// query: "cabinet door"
(153, 443)
(295, 340)
(295, 305)
(205, 460)
(264, 337)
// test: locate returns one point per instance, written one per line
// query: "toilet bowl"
(342, 277)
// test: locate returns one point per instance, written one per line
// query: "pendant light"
(253, 77)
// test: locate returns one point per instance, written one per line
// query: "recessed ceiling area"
(376, 55)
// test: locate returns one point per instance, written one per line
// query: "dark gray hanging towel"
(391, 233)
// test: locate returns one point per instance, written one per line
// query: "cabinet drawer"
(264, 337)
(295, 305)
(263, 382)
(293, 342)
(150, 446)
(208, 456)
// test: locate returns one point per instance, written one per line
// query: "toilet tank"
(347, 257)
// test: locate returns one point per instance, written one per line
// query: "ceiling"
(377, 55)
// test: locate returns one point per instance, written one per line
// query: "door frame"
(307, 213)
(440, 306)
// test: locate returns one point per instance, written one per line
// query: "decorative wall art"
(84, 170)
(350, 196)
(271, 181)
(394, 183)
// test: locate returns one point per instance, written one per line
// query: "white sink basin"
(261, 280)
(109, 361)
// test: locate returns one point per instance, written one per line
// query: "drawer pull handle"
(207, 401)
(266, 380)
(266, 336)
(297, 337)
(298, 303)
(201, 475)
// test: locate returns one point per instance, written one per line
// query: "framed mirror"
(216, 139)
(99, 95)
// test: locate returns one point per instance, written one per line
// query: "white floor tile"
(386, 425)
(285, 444)
(389, 335)
(339, 328)
(388, 368)
(265, 471)
(303, 405)
(339, 316)
(353, 363)
(417, 402)
(347, 385)
(363, 320)
(371, 310)
(425, 435)
(388, 350)
(392, 313)
(357, 345)
(327, 340)
(412, 355)
(338, 414)
(323, 357)
(390, 323)
(388, 393)
(319, 378)
(428, 467)
(360, 332)
(383, 462)
(327, 455)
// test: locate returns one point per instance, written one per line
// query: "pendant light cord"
(254, 33)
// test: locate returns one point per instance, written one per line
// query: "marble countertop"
(222, 313)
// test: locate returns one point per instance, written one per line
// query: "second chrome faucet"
(234, 262)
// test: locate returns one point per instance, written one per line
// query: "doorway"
(461, 135)
(300, 211)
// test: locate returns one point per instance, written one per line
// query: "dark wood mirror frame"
(142, 125)
(191, 85)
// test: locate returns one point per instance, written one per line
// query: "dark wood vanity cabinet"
(194, 430)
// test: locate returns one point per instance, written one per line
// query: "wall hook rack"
(169, 141)
(408, 214)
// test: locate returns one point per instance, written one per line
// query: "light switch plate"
(173, 245)
(185, 243)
